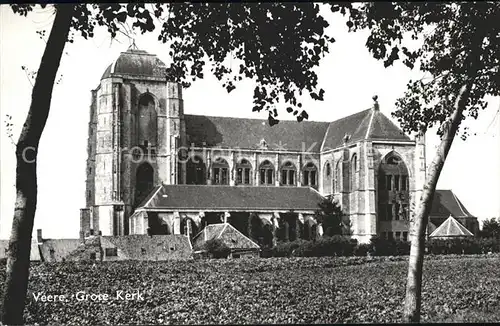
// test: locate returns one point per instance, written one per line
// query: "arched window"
(144, 179)
(288, 173)
(220, 172)
(244, 172)
(195, 173)
(354, 173)
(327, 178)
(393, 188)
(266, 173)
(147, 121)
(310, 175)
(338, 177)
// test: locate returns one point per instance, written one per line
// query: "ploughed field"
(250, 291)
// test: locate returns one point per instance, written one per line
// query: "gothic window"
(338, 177)
(266, 171)
(309, 175)
(220, 172)
(327, 179)
(388, 182)
(393, 188)
(195, 171)
(354, 173)
(404, 182)
(143, 182)
(396, 182)
(147, 120)
(288, 173)
(243, 172)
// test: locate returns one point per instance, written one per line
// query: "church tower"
(136, 129)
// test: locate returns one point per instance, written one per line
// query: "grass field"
(275, 290)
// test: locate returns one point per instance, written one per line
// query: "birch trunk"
(417, 233)
(18, 255)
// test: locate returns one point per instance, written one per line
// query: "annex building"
(152, 169)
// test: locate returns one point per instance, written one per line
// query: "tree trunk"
(18, 255)
(417, 232)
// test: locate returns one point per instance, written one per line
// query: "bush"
(363, 249)
(217, 248)
(286, 249)
(463, 246)
(389, 247)
(329, 246)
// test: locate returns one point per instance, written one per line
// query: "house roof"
(310, 136)
(248, 133)
(365, 125)
(451, 228)
(233, 238)
(231, 198)
(58, 249)
(145, 247)
(445, 203)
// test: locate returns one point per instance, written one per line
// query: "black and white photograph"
(188, 163)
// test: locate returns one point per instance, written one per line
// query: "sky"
(349, 75)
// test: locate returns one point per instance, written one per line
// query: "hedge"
(344, 246)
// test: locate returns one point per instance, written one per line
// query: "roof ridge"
(370, 124)
(324, 137)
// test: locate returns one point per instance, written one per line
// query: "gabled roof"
(445, 203)
(145, 247)
(310, 136)
(233, 238)
(231, 198)
(57, 249)
(451, 228)
(365, 125)
(248, 133)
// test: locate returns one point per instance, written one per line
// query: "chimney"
(375, 103)
(39, 238)
(205, 233)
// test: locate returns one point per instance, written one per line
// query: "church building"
(152, 169)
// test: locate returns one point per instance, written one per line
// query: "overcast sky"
(349, 75)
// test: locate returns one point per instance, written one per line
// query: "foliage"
(330, 215)
(343, 246)
(491, 228)
(281, 63)
(452, 42)
(263, 291)
(217, 248)
(389, 247)
(463, 246)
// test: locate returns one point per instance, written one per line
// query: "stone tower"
(136, 128)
